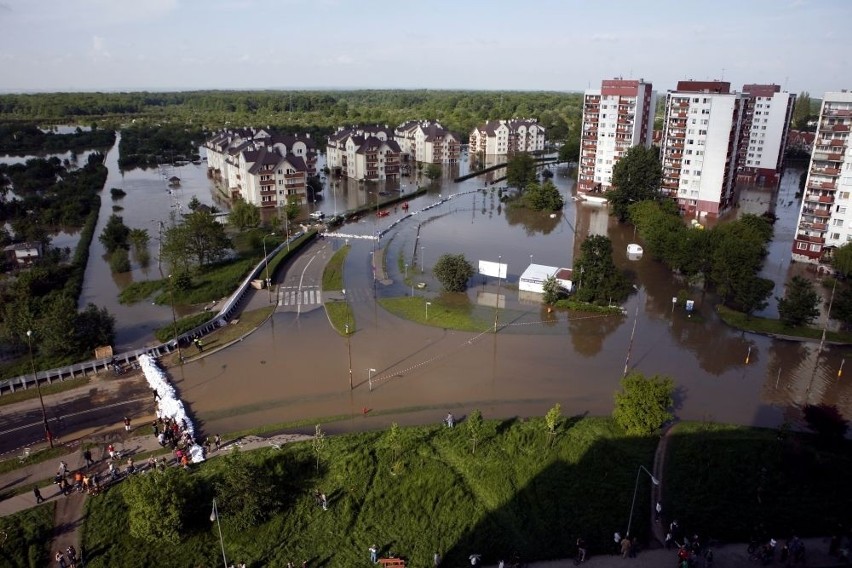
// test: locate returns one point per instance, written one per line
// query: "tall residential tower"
(825, 219)
(615, 117)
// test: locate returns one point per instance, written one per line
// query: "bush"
(159, 505)
(826, 421)
(117, 193)
(119, 261)
(453, 271)
(643, 404)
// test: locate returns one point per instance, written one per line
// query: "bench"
(392, 562)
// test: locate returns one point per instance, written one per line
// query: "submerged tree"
(636, 177)
(453, 272)
(800, 303)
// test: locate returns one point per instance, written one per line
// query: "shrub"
(453, 271)
(643, 404)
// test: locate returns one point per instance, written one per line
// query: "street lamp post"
(214, 516)
(47, 433)
(370, 378)
(427, 310)
(422, 260)
(654, 480)
(266, 262)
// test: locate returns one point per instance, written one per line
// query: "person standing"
(37, 494)
(616, 537)
(324, 501)
(127, 424)
(60, 560)
(63, 469)
(436, 560)
(450, 420)
(217, 441)
(658, 512)
(87, 455)
(625, 547)
(374, 554)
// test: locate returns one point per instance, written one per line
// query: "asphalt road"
(100, 405)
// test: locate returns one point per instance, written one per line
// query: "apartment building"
(825, 218)
(427, 142)
(700, 145)
(766, 126)
(364, 153)
(616, 117)
(505, 137)
(261, 167)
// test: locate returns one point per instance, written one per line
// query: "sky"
(559, 45)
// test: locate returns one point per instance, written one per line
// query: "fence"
(228, 311)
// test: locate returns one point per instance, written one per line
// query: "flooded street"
(296, 367)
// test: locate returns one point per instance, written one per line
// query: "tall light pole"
(427, 310)
(47, 433)
(370, 378)
(654, 480)
(422, 260)
(266, 262)
(348, 340)
(214, 516)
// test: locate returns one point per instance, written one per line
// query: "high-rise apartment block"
(699, 153)
(766, 126)
(615, 117)
(825, 219)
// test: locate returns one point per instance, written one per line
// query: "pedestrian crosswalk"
(304, 296)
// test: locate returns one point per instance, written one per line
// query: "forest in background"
(317, 112)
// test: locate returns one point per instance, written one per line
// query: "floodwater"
(149, 201)
(296, 367)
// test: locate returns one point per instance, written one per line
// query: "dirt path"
(68, 520)
(658, 528)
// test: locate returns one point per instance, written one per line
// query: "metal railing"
(95, 366)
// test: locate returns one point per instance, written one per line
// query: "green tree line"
(28, 138)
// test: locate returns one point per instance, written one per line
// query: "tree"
(841, 309)
(543, 197)
(245, 492)
(93, 327)
(520, 170)
(433, 172)
(394, 441)
(453, 271)
(475, 428)
(194, 203)
(119, 261)
(198, 240)
(599, 281)
(115, 234)
(826, 421)
(570, 151)
(553, 419)
(552, 290)
(842, 260)
(160, 505)
(643, 403)
(244, 215)
(802, 111)
(318, 443)
(738, 252)
(636, 177)
(800, 304)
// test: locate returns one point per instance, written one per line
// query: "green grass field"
(768, 326)
(722, 481)
(25, 537)
(515, 494)
(332, 276)
(341, 315)
(459, 316)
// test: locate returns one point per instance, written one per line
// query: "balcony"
(839, 112)
(817, 212)
(822, 185)
(834, 128)
(810, 239)
(826, 171)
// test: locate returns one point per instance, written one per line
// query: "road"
(102, 404)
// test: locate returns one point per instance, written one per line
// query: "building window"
(815, 248)
(835, 236)
(802, 246)
(837, 222)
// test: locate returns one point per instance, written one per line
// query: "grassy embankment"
(722, 481)
(339, 313)
(769, 326)
(25, 537)
(516, 493)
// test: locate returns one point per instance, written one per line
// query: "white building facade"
(263, 168)
(427, 142)
(616, 117)
(364, 153)
(700, 146)
(766, 126)
(825, 217)
(505, 137)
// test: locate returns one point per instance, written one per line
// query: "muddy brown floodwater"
(296, 367)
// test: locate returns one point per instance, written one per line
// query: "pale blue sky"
(566, 45)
